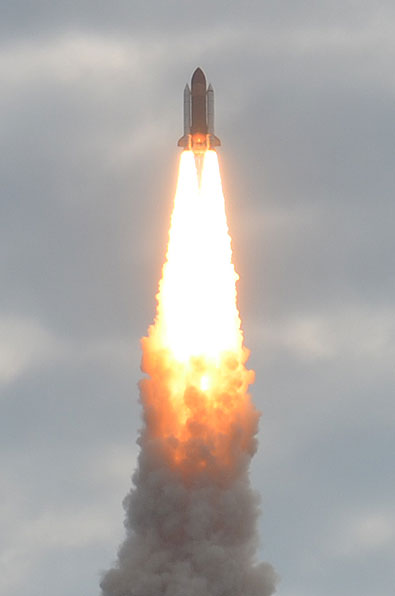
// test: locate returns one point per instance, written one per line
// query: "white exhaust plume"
(191, 515)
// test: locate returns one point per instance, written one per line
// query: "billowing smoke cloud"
(191, 516)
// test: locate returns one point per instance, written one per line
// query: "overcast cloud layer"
(90, 112)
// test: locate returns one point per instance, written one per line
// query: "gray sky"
(90, 112)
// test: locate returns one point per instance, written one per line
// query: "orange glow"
(196, 394)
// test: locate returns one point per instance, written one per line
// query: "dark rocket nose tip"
(198, 77)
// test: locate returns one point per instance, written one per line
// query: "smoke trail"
(191, 515)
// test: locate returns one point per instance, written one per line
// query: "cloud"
(34, 538)
(67, 59)
(364, 533)
(351, 332)
(112, 466)
(24, 344)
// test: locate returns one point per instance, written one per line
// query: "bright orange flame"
(194, 355)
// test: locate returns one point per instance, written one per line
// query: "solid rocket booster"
(199, 115)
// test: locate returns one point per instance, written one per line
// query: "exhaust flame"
(191, 518)
(197, 313)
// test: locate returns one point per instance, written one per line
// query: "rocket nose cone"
(198, 77)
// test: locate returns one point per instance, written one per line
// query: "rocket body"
(199, 115)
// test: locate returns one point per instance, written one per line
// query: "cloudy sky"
(90, 112)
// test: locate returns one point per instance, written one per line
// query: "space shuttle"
(198, 116)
